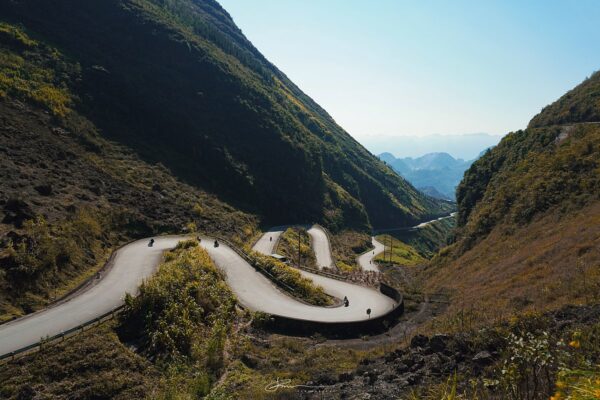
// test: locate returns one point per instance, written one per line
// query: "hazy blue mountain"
(466, 147)
(436, 174)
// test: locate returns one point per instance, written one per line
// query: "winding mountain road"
(130, 266)
(137, 261)
(321, 247)
(319, 241)
(268, 241)
(367, 260)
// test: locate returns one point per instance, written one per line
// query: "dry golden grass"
(551, 262)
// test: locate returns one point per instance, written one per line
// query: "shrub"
(178, 308)
(291, 279)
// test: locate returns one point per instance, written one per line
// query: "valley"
(180, 220)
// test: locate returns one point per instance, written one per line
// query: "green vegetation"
(536, 361)
(288, 246)
(292, 280)
(33, 72)
(182, 319)
(346, 246)
(431, 238)
(579, 105)
(401, 253)
(534, 170)
(45, 261)
(213, 97)
(89, 366)
(531, 172)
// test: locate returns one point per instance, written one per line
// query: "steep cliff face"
(177, 82)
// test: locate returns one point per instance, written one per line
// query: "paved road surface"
(132, 264)
(258, 293)
(267, 242)
(137, 261)
(367, 260)
(319, 240)
(424, 224)
(321, 247)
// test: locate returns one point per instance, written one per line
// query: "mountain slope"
(178, 82)
(528, 233)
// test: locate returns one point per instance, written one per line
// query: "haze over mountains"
(436, 174)
(467, 146)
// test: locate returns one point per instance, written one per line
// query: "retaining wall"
(341, 330)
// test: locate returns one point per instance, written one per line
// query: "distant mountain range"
(465, 146)
(436, 174)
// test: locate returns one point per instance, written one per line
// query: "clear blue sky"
(392, 67)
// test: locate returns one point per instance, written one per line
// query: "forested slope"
(177, 82)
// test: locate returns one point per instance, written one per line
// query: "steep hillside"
(579, 105)
(122, 119)
(177, 82)
(67, 195)
(529, 216)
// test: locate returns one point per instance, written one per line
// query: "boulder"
(16, 212)
(483, 358)
(419, 341)
(438, 343)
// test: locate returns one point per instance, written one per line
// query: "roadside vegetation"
(291, 280)
(532, 357)
(182, 321)
(347, 245)
(92, 365)
(288, 246)
(45, 261)
(398, 253)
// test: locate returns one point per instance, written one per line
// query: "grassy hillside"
(178, 83)
(70, 195)
(529, 218)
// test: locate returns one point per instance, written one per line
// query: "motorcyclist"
(151, 242)
(346, 302)
(216, 243)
